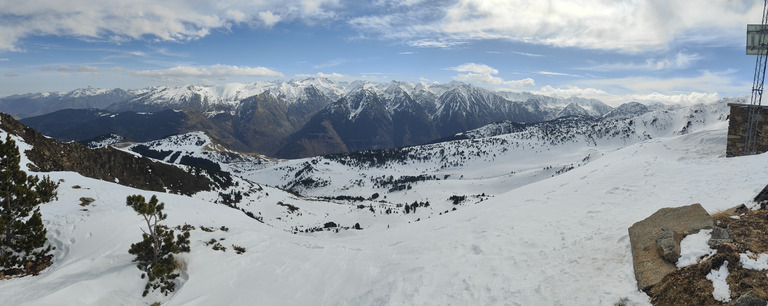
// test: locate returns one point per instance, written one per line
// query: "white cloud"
(723, 82)
(680, 60)
(556, 73)
(629, 26)
(11, 75)
(476, 68)
(214, 71)
(321, 75)
(59, 69)
(64, 68)
(168, 20)
(687, 98)
(569, 91)
(527, 82)
(269, 18)
(484, 74)
(427, 43)
(705, 87)
(618, 99)
(91, 69)
(527, 54)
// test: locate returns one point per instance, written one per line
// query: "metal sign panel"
(757, 40)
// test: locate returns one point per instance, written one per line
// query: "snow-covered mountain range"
(300, 118)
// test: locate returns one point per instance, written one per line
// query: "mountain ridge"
(298, 118)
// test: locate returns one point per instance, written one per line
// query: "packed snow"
(694, 247)
(759, 262)
(536, 238)
(721, 291)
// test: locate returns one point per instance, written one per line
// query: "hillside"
(47, 154)
(532, 236)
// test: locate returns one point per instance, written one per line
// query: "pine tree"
(154, 253)
(22, 233)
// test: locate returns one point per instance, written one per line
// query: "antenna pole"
(758, 82)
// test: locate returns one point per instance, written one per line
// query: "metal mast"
(757, 86)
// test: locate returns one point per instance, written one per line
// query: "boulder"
(668, 244)
(748, 300)
(650, 267)
(720, 236)
(762, 197)
(86, 200)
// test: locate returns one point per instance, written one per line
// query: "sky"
(671, 51)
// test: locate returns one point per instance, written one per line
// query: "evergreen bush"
(23, 247)
(154, 253)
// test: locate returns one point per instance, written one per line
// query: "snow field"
(562, 240)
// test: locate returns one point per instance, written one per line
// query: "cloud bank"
(214, 71)
(484, 74)
(627, 26)
(167, 20)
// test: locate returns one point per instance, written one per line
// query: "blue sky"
(675, 51)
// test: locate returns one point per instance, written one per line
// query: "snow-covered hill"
(503, 155)
(537, 237)
(198, 149)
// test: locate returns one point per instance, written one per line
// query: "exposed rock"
(736, 210)
(762, 197)
(649, 265)
(748, 300)
(86, 200)
(668, 244)
(720, 236)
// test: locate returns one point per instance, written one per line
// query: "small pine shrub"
(238, 249)
(154, 253)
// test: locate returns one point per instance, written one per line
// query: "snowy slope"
(197, 148)
(559, 240)
(495, 159)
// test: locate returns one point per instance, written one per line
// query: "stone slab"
(649, 266)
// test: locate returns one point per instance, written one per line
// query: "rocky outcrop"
(748, 300)
(650, 266)
(720, 236)
(108, 164)
(668, 244)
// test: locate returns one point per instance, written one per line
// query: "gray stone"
(748, 300)
(649, 266)
(720, 236)
(668, 244)
(86, 200)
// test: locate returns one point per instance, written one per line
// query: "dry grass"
(689, 286)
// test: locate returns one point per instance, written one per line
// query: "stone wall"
(737, 130)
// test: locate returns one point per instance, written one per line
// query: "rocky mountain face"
(385, 117)
(300, 118)
(628, 110)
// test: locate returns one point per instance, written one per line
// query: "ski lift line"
(758, 81)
